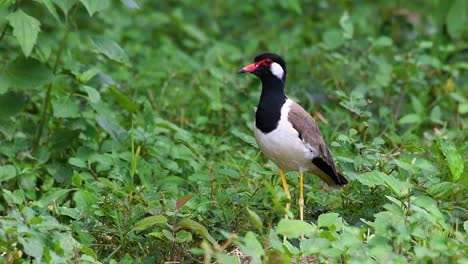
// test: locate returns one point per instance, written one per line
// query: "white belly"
(284, 146)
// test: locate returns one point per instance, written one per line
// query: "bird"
(286, 133)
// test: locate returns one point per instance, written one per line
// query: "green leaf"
(110, 126)
(183, 236)
(27, 73)
(10, 104)
(64, 107)
(346, 25)
(123, 100)
(314, 245)
(7, 172)
(94, 6)
(25, 29)
(440, 189)
(51, 196)
(333, 38)
(110, 49)
(453, 158)
(93, 94)
(32, 246)
(457, 18)
(244, 137)
(88, 74)
(51, 9)
(197, 228)
(410, 119)
(330, 220)
(253, 248)
(77, 162)
(5, 3)
(65, 5)
(293, 228)
(372, 178)
(400, 188)
(183, 200)
(149, 221)
(256, 220)
(130, 4)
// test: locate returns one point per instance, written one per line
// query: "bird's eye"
(268, 62)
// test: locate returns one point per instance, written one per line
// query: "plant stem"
(4, 30)
(46, 103)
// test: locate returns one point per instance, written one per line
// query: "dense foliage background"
(125, 134)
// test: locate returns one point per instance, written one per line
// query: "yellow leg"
(301, 196)
(286, 190)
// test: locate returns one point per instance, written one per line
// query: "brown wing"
(309, 132)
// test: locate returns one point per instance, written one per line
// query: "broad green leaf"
(110, 49)
(5, 3)
(224, 258)
(197, 228)
(183, 236)
(372, 178)
(453, 158)
(50, 6)
(331, 220)
(77, 162)
(93, 95)
(93, 6)
(195, 32)
(7, 172)
(253, 248)
(123, 100)
(88, 74)
(400, 188)
(33, 246)
(130, 4)
(11, 103)
(294, 228)
(440, 189)
(149, 221)
(183, 200)
(111, 127)
(65, 5)
(27, 73)
(293, 5)
(256, 220)
(65, 107)
(244, 137)
(410, 119)
(457, 18)
(70, 212)
(333, 38)
(346, 25)
(25, 29)
(314, 245)
(51, 196)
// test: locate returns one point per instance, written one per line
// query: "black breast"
(268, 114)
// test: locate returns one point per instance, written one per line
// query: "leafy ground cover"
(125, 134)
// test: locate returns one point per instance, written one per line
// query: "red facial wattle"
(254, 66)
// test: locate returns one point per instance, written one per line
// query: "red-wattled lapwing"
(285, 132)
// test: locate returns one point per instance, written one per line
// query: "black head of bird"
(267, 65)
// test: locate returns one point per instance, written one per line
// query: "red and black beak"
(249, 68)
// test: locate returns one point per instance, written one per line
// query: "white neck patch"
(277, 70)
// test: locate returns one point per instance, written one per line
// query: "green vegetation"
(125, 134)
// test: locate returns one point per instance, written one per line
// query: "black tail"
(331, 177)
